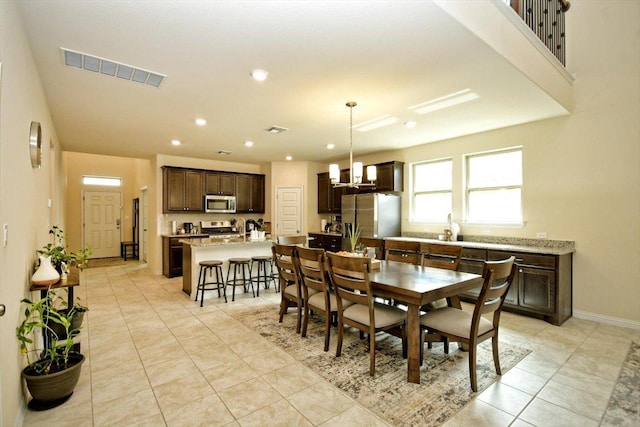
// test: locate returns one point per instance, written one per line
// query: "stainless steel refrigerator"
(377, 215)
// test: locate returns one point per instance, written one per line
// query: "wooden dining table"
(415, 286)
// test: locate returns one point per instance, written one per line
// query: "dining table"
(416, 286)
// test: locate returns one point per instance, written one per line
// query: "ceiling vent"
(277, 129)
(111, 68)
(224, 152)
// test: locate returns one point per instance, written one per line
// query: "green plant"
(57, 251)
(42, 315)
(353, 236)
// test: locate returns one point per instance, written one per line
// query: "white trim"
(615, 321)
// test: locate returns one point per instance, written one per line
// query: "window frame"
(468, 189)
(104, 179)
(414, 192)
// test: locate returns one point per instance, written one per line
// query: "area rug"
(106, 262)
(445, 387)
(624, 405)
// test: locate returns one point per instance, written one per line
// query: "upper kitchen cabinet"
(390, 178)
(220, 183)
(249, 193)
(183, 190)
(330, 198)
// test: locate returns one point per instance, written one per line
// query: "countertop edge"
(544, 250)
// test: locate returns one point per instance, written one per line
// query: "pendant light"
(355, 169)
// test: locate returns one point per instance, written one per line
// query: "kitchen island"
(196, 250)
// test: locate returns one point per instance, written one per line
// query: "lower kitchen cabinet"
(328, 242)
(172, 254)
(542, 287)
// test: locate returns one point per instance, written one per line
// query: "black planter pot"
(51, 390)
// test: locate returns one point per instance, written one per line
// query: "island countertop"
(216, 241)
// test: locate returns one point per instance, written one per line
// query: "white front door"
(102, 222)
(289, 211)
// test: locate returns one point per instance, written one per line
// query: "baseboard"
(615, 321)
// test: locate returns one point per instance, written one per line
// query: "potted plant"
(353, 236)
(52, 372)
(60, 257)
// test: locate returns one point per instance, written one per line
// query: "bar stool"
(241, 266)
(211, 266)
(262, 276)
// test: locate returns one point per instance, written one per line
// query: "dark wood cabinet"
(172, 254)
(183, 190)
(249, 193)
(389, 178)
(328, 242)
(220, 183)
(329, 198)
(542, 287)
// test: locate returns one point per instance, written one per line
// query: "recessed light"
(410, 124)
(201, 122)
(289, 158)
(175, 142)
(259, 75)
(248, 143)
(330, 146)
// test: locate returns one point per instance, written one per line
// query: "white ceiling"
(386, 55)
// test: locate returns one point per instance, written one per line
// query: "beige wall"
(77, 165)
(24, 195)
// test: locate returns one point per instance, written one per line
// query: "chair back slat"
(283, 257)
(350, 278)
(292, 240)
(440, 256)
(498, 277)
(402, 251)
(311, 263)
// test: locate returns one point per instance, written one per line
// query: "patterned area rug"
(106, 262)
(624, 404)
(444, 388)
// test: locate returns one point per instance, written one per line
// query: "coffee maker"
(188, 227)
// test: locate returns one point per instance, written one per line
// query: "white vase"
(46, 274)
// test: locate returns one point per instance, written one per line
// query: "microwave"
(219, 204)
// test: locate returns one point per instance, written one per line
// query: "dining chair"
(290, 292)
(292, 240)
(402, 251)
(370, 242)
(472, 328)
(318, 296)
(350, 279)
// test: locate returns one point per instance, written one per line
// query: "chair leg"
(404, 342)
(445, 341)
(496, 358)
(340, 335)
(200, 286)
(305, 322)
(372, 353)
(327, 330)
(299, 318)
(283, 308)
(472, 366)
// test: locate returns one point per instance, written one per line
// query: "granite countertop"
(534, 246)
(189, 236)
(326, 234)
(216, 241)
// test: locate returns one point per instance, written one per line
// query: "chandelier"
(355, 169)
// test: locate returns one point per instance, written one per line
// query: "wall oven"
(219, 204)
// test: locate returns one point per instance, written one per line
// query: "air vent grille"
(277, 129)
(111, 68)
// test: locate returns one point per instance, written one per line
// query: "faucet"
(242, 230)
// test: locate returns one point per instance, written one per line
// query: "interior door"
(102, 222)
(289, 211)
(144, 213)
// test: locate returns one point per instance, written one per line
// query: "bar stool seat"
(203, 285)
(241, 275)
(262, 276)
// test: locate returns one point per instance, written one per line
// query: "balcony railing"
(546, 19)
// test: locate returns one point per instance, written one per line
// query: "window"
(432, 184)
(101, 180)
(494, 187)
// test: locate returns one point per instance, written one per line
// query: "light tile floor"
(156, 358)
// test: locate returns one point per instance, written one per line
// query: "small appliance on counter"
(188, 227)
(218, 229)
